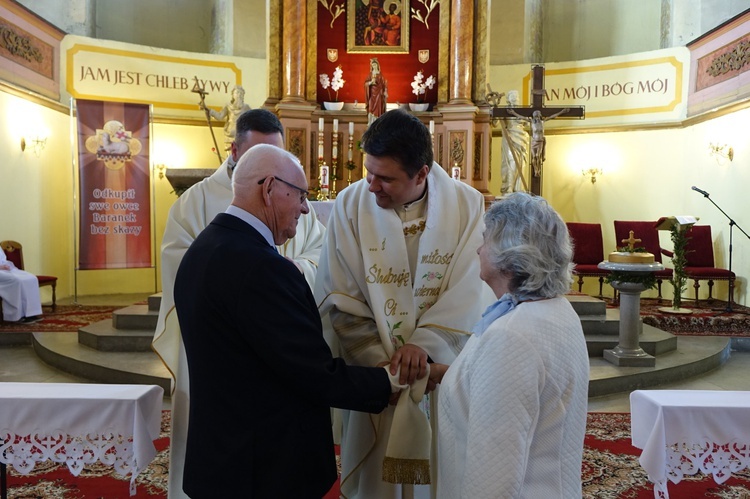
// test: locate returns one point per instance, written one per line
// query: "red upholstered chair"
(14, 252)
(588, 252)
(649, 236)
(699, 253)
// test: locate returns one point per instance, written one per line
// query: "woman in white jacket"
(512, 406)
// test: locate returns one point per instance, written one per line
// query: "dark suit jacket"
(262, 378)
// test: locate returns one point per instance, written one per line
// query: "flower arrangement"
(419, 86)
(335, 84)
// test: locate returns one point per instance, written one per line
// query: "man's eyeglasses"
(303, 194)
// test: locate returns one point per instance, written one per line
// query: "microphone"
(699, 190)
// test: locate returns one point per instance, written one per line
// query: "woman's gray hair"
(525, 237)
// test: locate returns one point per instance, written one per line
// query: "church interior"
(643, 104)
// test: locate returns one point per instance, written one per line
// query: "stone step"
(103, 336)
(154, 302)
(63, 351)
(587, 305)
(694, 355)
(135, 317)
(609, 323)
(653, 341)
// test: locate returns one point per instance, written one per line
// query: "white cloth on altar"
(512, 407)
(19, 291)
(434, 309)
(79, 424)
(189, 215)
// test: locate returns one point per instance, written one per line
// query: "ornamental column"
(461, 52)
(293, 50)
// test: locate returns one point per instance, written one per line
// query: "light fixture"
(161, 167)
(592, 172)
(721, 151)
(36, 144)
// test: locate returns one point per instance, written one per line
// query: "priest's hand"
(413, 362)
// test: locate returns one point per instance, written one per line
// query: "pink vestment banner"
(114, 183)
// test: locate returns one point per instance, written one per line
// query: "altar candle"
(351, 128)
(456, 173)
(320, 124)
(432, 127)
(324, 177)
(335, 126)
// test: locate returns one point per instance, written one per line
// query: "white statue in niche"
(514, 150)
(229, 113)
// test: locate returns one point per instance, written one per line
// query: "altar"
(78, 424)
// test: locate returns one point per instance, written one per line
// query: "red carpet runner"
(610, 470)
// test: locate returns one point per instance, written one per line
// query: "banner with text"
(646, 87)
(114, 183)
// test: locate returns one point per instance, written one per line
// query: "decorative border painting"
(377, 26)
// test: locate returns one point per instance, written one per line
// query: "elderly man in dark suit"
(262, 379)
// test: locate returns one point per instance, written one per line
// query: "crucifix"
(536, 115)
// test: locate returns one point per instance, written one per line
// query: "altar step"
(107, 354)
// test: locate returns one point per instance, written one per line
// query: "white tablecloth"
(79, 424)
(683, 432)
(322, 210)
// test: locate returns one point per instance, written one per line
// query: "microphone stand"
(732, 224)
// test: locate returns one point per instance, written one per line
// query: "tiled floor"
(21, 364)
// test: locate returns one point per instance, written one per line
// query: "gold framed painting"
(377, 26)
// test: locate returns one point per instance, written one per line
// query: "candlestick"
(335, 125)
(350, 163)
(334, 159)
(351, 128)
(323, 180)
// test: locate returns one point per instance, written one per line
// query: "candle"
(432, 127)
(456, 173)
(324, 177)
(320, 124)
(335, 126)
(351, 128)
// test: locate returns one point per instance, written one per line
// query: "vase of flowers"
(419, 88)
(334, 84)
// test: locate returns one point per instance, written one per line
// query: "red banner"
(114, 183)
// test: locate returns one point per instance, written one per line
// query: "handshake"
(409, 364)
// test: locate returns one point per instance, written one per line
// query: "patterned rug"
(706, 319)
(610, 471)
(65, 319)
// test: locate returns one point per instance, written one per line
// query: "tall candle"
(320, 124)
(432, 127)
(335, 126)
(456, 173)
(351, 128)
(324, 177)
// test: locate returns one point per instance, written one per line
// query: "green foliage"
(679, 278)
(648, 280)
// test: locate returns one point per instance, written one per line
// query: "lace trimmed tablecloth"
(79, 424)
(683, 432)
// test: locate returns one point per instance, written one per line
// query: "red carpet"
(707, 319)
(65, 319)
(610, 470)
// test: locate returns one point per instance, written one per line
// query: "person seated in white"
(19, 291)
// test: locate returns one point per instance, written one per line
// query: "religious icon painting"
(377, 26)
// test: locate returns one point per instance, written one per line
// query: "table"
(79, 424)
(322, 210)
(683, 432)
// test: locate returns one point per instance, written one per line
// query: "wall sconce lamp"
(721, 151)
(36, 144)
(162, 168)
(592, 172)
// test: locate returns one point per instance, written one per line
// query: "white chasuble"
(377, 305)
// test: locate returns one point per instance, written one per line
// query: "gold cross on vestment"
(631, 242)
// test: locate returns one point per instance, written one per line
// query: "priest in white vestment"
(399, 275)
(189, 215)
(19, 291)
